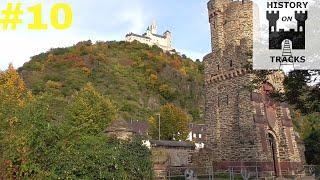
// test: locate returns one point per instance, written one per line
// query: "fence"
(245, 172)
(190, 173)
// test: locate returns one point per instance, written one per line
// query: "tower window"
(227, 99)
(231, 64)
(218, 67)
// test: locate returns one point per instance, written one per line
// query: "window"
(194, 135)
(218, 67)
(231, 64)
(227, 99)
(201, 129)
(200, 135)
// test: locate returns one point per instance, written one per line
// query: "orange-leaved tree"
(13, 98)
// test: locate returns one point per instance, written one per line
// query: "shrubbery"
(48, 137)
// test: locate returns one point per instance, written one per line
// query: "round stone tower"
(245, 128)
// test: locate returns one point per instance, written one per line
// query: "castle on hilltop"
(245, 128)
(151, 37)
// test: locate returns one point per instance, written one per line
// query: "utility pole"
(159, 124)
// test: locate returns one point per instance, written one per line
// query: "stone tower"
(245, 128)
(154, 27)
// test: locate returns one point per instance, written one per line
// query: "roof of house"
(137, 126)
(197, 128)
(172, 143)
(119, 126)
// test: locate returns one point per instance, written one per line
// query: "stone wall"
(178, 156)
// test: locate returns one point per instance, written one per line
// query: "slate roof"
(197, 128)
(119, 126)
(160, 36)
(139, 127)
(172, 143)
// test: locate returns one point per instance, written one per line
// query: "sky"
(100, 20)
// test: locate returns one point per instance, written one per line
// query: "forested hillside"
(138, 79)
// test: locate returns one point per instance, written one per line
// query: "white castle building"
(151, 37)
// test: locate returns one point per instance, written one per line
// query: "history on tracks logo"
(286, 34)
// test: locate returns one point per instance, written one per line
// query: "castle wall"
(140, 39)
(158, 40)
(152, 40)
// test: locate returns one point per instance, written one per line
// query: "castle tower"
(167, 35)
(154, 27)
(245, 128)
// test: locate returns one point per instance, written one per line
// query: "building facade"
(151, 37)
(197, 134)
(244, 128)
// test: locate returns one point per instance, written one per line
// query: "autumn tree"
(173, 124)
(12, 89)
(13, 99)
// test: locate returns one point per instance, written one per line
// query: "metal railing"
(190, 172)
(246, 172)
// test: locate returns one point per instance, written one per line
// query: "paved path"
(303, 178)
(307, 178)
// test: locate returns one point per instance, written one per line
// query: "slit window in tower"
(218, 67)
(227, 99)
(231, 64)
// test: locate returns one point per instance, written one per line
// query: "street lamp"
(159, 124)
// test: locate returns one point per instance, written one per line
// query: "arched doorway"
(273, 151)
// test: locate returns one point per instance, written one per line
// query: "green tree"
(89, 111)
(173, 124)
(310, 131)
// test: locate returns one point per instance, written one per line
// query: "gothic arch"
(274, 135)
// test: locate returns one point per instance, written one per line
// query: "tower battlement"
(230, 21)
